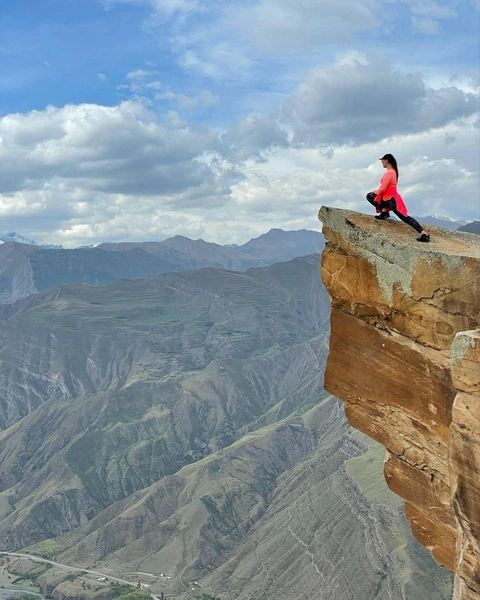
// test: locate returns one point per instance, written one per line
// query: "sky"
(129, 120)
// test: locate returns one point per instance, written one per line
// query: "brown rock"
(429, 532)
(427, 291)
(464, 462)
(422, 489)
(405, 359)
(367, 363)
(465, 359)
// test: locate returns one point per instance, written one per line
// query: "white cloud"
(226, 40)
(59, 159)
(359, 100)
(205, 98)
(209, 54)
(160, 8)
(434, 178)
(425, 25)
(140, 84)
(168, 95)
(294, 128)
(431, 9)
(427, 15)
(88, 173)
(286, 25)
(255, 134)
(138, 74)
(140, 88)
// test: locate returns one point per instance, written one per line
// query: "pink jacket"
(388, 190)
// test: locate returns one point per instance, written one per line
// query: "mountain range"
(177, 426)
(27, 269)
(438, 220)
(473, 227)
(442, 221)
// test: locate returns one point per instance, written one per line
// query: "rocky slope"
(290, 509)
(408, 378)
(178, 425)
(105, 390)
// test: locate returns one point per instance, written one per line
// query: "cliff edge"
(405, 360)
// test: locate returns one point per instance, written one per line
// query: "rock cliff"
(405, 360)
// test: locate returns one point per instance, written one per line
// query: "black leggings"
(392, 205)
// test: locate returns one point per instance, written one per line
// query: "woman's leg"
(380, 206)
(408, 220)
(424, 236)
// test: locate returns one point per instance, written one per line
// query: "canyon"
(177, 427)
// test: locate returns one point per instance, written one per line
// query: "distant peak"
(13, 236)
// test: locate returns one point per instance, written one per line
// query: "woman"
(387, 199)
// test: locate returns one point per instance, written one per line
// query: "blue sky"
(141, 119)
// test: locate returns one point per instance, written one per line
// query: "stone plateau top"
(405, 360)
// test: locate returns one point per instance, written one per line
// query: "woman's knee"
(370, 196)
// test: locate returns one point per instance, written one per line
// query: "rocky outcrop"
(405, 359)
(464, 460)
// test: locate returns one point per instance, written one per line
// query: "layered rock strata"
(405, 360)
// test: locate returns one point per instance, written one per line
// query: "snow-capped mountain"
(442, 221)
(13, 236)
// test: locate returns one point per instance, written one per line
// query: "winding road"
(70, 568)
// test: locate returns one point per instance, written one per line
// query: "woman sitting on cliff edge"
(387, 199)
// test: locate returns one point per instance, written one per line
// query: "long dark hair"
(392, 160)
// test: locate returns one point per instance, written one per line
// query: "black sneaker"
(424, 238)
(383, 215)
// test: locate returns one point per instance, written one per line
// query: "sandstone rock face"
(464, 461)
(405, 359)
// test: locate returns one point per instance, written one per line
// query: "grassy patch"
(367, 471)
